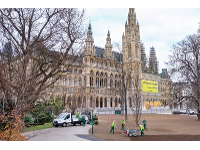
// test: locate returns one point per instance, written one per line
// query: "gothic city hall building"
(95, 80)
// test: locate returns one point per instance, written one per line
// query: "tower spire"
(108, 34)
(89, 33)
(153, 63)
(108, 46)
(89, 28)
(89, 40)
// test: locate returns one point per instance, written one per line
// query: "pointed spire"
(137, 23)
(126, 23)
(89, 27)
(108, 39)
(108, 34)
(89, 36)
(153, 64)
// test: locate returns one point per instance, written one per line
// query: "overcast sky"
(160, 28)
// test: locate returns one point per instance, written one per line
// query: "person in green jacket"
(77, 114)
(123, 124)
(144, 123)
(112, 127)
(142, 129)
(83, 120)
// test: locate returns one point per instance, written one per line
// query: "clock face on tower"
(129, 33)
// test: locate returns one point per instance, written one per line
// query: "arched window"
(64, 81)
(101, 82)
(101, 74)
(91, 81)
(105, 82)
(110, 102)
(101, 102)
(91, 72)
(105, 102)
(115, 83)
(79, 82)
(97, 73)
(111, 83)
(97, 82)
(111, 75)
(90, 101)
(106, 75)
(97, 102)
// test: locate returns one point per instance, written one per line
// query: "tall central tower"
(132, 54)
(131, 39)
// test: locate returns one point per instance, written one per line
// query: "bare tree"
(185, 64)
(136, 93)
(42, 40)
(126, 72)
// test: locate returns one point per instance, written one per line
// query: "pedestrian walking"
(112, 127)
(123, 124)
(142, 129)
(144, 123)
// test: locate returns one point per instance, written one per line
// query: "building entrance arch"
(101, 102)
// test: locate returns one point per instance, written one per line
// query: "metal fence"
(157, 111)
(147, 111)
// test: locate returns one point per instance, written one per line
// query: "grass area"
(39, 127)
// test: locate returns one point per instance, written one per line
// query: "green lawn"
(39, 127)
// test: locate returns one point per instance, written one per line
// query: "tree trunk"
(198, 113)
(122, 106)
(125, 105)
(198, 97)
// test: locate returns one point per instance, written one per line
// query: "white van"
(66, 119)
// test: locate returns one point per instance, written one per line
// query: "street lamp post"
(92, 121)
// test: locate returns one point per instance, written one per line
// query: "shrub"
(40, 118)
(29, 120)
(41, 114)
(49, 117)
(2, 125)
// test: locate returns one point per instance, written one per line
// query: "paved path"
(71, 133)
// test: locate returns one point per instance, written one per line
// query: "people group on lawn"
(123, 124)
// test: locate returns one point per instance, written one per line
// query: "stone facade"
(95, 81)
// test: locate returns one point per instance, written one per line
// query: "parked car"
(190, 111)
(184, 111)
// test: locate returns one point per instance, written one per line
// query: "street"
(71, 133)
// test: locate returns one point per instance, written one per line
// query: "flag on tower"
(166, 63)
